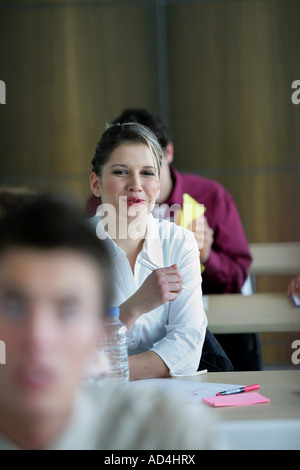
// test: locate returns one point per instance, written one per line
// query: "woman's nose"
(134, 184)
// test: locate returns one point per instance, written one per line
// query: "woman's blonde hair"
(129, 132)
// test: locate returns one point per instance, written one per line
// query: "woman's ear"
(95, 184)
(169, 152)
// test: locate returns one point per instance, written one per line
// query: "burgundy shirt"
(230, 257)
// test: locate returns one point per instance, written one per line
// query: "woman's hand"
(161, 286)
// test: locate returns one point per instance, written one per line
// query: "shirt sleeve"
(181, 348)
(230, 257)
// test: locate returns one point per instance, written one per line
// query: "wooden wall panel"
(69, 66)
(68, 70)
(268, 202)
(231, 68)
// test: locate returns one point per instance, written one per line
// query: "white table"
(274, 425)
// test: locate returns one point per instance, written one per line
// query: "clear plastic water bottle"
(115, 348)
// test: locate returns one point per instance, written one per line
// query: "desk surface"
(282, 387)
(256, 313)
(274, 425)
(275, 258)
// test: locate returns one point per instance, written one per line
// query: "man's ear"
(95, 184)
(169, 152)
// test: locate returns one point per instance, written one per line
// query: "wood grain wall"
(220, 72)
(226, 68)
(69, 67)
(231, 69)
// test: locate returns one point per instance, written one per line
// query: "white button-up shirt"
(176, 329)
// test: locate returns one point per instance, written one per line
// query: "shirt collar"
(152, 247)
(102, 234)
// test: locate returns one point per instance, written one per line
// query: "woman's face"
(129, 182)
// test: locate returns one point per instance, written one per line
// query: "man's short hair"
(12, 196)
(153, 122)
(46, 223)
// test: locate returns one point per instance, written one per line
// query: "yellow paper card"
(191, 210)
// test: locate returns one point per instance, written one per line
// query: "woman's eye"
(120, 172)
(148, 173)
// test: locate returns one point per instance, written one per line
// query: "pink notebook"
(238, 399)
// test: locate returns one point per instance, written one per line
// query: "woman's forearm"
(129, 312)
(147, 364)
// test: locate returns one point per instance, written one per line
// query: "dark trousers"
(213, 357)
(243, 350)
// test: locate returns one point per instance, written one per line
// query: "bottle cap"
(114, 312)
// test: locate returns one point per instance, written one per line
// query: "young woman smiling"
(157, 266)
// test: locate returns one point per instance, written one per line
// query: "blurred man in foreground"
(55, 287)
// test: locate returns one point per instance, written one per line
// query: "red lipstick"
(134, 201)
